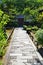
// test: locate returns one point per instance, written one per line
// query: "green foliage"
(40, 18)
(34, 14)
(42, 26)
(30, 8)
(1, 13)
(3, 43)
(2, 52)
(28, 29)
(39, 36)
(26, 11)
(29, 26)
(24, 27)
(35, 28)
(4, 19)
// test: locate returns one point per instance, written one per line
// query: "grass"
(1, 62)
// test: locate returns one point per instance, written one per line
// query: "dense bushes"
(35, 28)
(4, 18)
(3, 43)
(39, 36)
(30, 28)
(24, 27)
(37, 31)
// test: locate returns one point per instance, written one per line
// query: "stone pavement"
(22, 50)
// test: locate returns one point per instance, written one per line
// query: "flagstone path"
(22, 50)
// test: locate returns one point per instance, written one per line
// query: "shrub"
(28, 29)
(39, 36)
(3, 44)
(35, 28)
(24, 27)
(29, 26)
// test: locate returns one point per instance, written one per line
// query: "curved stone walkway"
(22, 50)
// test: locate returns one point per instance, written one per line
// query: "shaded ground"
(41, 51)
(8, 31)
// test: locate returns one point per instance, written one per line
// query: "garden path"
(22, 50)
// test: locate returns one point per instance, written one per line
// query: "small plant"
(28, 29)
(24, 26)
(35, 28)
(39, 36)
(29, 26)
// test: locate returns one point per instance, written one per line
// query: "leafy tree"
(34, 14)
(40, 18)
(26, 12)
